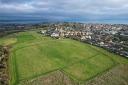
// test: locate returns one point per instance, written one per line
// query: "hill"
(34, 56)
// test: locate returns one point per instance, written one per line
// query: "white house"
(55, 34)
(83, 38)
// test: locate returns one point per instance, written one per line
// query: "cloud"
(66, 9)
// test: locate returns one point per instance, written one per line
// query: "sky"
(95, 11)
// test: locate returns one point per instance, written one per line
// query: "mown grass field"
(34, 55)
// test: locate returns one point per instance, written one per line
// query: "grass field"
(33, 55)
(116, 76)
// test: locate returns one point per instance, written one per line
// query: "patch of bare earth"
(54, 78)
(116, 76)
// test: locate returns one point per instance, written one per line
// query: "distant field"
(33, 55)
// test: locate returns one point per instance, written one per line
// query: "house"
(88, 37)
(101, 43)
(83, 38)
(55, 34)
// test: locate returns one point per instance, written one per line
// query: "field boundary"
(15, 69)
(107, 69)
(41, 74)
(60, 68)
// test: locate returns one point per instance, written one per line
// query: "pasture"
(33, 55)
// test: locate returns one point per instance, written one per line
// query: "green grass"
(33, 55)
(24, 37)
(47, 56)
(89, 68)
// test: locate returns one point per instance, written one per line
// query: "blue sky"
(101, 11)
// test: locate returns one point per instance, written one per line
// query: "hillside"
(34, 58)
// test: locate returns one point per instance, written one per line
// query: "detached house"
(55, 34)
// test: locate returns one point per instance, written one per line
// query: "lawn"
(35, 55)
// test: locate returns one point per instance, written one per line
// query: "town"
(112, 37)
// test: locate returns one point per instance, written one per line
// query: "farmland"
(33, 55)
